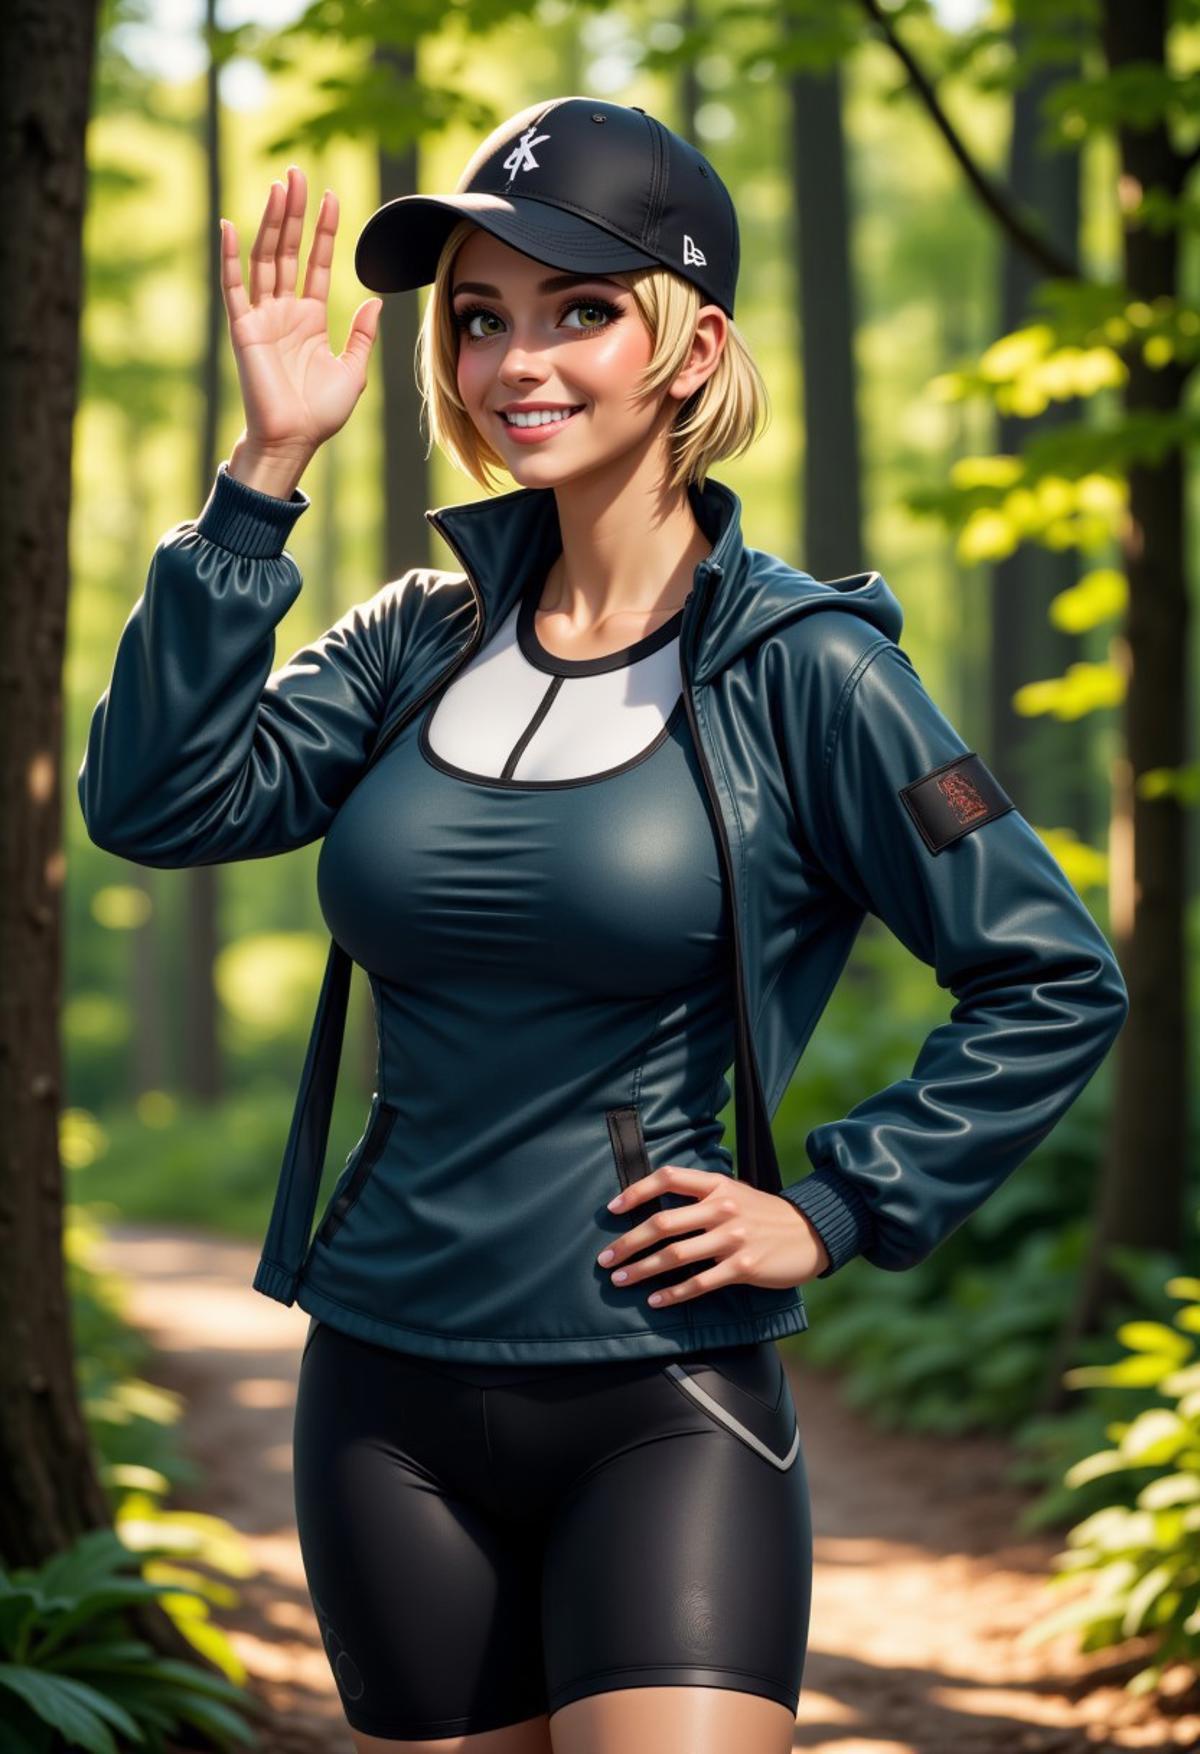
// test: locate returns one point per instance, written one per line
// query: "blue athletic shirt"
(530, 877)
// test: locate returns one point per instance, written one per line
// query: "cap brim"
(399, 246)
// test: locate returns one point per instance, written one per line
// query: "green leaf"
(1095, 598)
(1154, 1436)
(78, 1712)
(1144, 1594)
(1154, 1337)
(1170, 1489)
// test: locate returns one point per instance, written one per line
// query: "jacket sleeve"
(197, 751)
(1039, 996)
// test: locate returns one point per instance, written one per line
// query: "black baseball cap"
(577, 183)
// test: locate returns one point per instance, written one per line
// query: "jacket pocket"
(629, 1147)
(632, 1163)
(734, 1389)
(373, 1142)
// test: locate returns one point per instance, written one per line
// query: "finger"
(704, 1245)
(287, 250)
(669, 1221)
(362, 332)
(232, 289)
(712, 1279)
(262, 250)
(672, 1178)
(320, 254)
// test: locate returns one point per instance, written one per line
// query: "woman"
(602, 813)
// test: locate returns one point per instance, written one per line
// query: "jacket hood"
(751, 592)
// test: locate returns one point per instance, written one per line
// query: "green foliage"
(68, 1667)
(962, 1341)
(1140, 1549)
(167, 1160)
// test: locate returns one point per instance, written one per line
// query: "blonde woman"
(602, 812)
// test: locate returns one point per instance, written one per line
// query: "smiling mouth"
(543, 418)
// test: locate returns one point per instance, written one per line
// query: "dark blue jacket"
(839, 788)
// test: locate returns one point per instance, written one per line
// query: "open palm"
(296, 391)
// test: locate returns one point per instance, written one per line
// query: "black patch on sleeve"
(951, 800)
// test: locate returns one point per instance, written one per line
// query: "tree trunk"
(1141, 1199)
(833, 540)
(203, 1075)
(52, 1492)
(1044, 766)
(407, 483)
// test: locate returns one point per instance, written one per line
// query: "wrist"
(273, 472)
(822, 1252)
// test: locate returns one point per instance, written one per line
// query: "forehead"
(487, 261)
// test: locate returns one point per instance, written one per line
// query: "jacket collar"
(740, 593)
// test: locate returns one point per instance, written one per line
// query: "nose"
(520, 365)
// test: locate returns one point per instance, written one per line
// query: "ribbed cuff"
(274, 1281)
(248, 522)
(837, 1212)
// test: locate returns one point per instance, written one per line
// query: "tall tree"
(52, 1492)
(52, 1489)
(201, 1070)
(1136, 334)
(1025, 642)
(832, 467)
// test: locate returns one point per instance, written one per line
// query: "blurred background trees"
(969, 275)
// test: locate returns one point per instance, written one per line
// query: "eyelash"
(465, 313)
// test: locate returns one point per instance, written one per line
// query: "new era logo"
(692, 253)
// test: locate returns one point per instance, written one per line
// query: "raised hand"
(296, 391)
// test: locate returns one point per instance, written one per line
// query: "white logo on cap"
(521, 157)
(692, 253)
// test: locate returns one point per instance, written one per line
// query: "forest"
(971, 283)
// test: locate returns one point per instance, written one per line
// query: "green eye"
(609, 312)
(464, 318)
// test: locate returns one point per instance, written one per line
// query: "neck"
(630, 546)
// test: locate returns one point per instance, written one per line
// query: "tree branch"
(996, 199)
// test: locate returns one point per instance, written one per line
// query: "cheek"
(469, 376)
(614, 362)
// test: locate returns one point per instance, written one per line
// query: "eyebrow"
(555, 283)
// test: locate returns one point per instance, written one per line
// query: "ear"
(708, 340)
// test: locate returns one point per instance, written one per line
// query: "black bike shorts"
(484, 1542)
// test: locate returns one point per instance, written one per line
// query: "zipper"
(770, 1178)
(382, 1122)
(455, 663)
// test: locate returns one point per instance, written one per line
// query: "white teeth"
(539, 417)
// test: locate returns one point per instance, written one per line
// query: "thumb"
(363, 329)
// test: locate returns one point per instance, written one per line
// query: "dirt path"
(919, 1591)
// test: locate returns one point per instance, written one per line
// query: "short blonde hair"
(722, 419)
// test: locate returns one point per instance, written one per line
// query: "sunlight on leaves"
(1083, 689)
(1095, 598)
(81, 1138)
(95, 1020)
(156, 1108)
(1055, 509)
(1181, 783)
(1086, 866)
(121, 907)
(268, 979)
